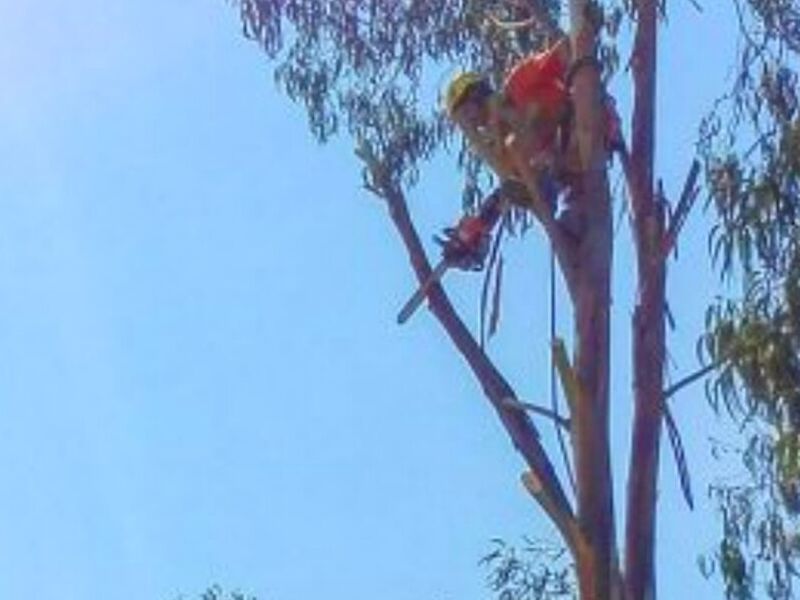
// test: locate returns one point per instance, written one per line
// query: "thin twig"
(697, 6)
(562, 422)
(690, 379)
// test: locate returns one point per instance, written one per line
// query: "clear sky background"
(201, 379)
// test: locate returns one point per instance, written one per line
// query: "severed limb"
(567, 526)
(567, 375)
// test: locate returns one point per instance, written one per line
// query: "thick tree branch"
(497, 390)
(520, 428)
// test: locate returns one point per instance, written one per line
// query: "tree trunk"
(648, 364)
(648, 321)
(591, 421)
(591, 296)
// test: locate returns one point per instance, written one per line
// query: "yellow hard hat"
(458, 88)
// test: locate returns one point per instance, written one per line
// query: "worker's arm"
(489, 145)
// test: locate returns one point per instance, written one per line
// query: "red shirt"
(538, 79)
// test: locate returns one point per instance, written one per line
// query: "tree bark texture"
(595, 505)
(648, 320)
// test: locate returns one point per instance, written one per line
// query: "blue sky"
(200, 375)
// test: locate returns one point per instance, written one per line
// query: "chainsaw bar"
(410, 307)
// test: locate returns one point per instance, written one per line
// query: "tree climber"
(514, 131)
(518, 128)
(523, 130)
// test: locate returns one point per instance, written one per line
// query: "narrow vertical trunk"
(648, 321)
(648, 364)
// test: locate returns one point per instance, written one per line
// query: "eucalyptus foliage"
(534, 570)
(372, 70)
(366, 67)
(216, 592)
(751, 146)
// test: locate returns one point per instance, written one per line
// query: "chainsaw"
(463, 247)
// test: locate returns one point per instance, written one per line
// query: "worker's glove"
(465, 247)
